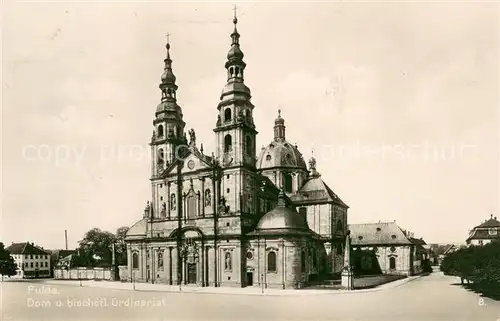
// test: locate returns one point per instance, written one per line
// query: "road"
(430, 298)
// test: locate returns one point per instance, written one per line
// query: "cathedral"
(233, 217)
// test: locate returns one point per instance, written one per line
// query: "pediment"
(193, 162)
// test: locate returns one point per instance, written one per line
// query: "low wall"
(83, 274)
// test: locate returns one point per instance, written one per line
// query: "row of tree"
(96, 248)
(478, 264)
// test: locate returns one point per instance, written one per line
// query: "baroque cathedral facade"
(233, 218)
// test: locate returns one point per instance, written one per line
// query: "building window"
(228, 190)
(161, 156)
(288, 183)
(227, 114)
(36, 264)
(31, 265)
(46, 264)
(228, 264)
(191, 204)
(135, 260)
(228, 143)
(268, 157)
(492, 231)
(31, 256)
(392, 263)
(393, 249)
(271, 262)
(339, 226)
(160, 131)
(303, 211)
(393, 236)
(160, 260)
(303, 261)
(249, 255)
(36, 257)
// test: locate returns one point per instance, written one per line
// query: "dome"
(168, 77)
(169, 106)
(282, 218)
(235, 52)
(235, 87)
(281, 154)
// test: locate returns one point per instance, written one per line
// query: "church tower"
(168, 133)
(236, 137)
(235, 129)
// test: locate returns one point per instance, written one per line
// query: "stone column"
(202, 196)
(347, 273)
(168, 201)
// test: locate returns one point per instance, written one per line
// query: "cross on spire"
(168, 37)
(279, 112)
(234, 9)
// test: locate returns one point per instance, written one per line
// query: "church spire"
(279, 128)
(235, 64)
(167, 85)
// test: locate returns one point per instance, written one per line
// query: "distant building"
(385, 248)
(61, 258)
(32, 261)
(484, 233)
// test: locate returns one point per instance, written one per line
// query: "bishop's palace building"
(232, 218)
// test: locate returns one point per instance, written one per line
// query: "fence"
(83, 274)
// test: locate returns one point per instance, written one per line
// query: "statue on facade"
(192, 137)
(164, 209)
(219, 121)
(228, 266)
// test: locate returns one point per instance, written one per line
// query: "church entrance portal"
(191, 277)
(249, 278)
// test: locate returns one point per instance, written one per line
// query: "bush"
(479, 264)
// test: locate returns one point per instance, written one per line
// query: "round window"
(249, 255)
(393, 249)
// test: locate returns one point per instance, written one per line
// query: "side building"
(485, 232)
(385, 248)
(32, 261)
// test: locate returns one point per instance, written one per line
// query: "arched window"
(161, 156)
(160, 260)
(392, 263)
(288, 183)
(271, 262)
(160, 130)
(303, 261)
(231, 71)
(339, 225)
(169, 92)
(228, 264)
(228, 143)
(191, 203)
(237, 72)
(227, 114)
(135, 260)
(248, 145)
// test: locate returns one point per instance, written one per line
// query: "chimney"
(66, 238)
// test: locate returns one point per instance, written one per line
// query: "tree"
(95, 248)
(7, 265)
(121, 246)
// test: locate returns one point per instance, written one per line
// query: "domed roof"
(282, 219)
(235, 52)
(168, 77)
(280, 153)
(235, 86)
(167, 105)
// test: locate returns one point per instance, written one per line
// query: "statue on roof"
(192, 137)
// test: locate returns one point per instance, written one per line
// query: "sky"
(398, 102)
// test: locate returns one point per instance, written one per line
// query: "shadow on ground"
(485, 291)
(360, 282)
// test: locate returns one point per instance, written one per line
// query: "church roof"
(138, 229)
(282, 220)
(315, 190)
(385, 233)
(280, 154)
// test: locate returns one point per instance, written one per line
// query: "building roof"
(388, 233)
(138, 229)
(492, 222)
(282, 220)
(492, 233)
(280, 153)
(315, 190)
(25, 248)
